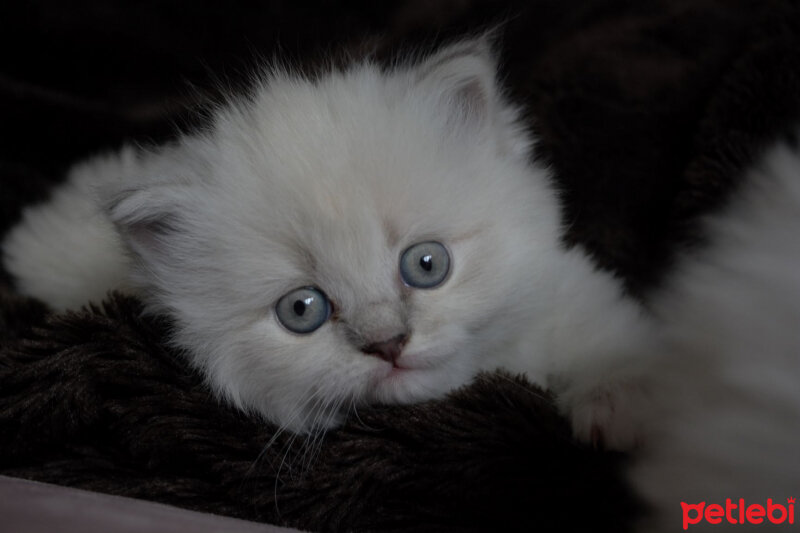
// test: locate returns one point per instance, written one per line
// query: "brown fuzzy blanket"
(648, 111)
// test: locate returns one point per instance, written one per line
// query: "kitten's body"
(722, 419)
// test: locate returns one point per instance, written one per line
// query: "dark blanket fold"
(648, 113)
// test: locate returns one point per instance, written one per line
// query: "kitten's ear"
(145, 217)
(463, 77)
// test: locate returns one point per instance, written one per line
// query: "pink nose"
(387, 350)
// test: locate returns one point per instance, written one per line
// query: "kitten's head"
(365, 236)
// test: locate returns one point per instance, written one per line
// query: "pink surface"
(32, 507)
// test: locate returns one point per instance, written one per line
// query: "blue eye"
(303, 310)
(425, 265)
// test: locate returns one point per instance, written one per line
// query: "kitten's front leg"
(607, 415)
(598, 350)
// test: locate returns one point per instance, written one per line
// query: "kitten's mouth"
(392, 383)
(397, 371)
(391, 372)
(402, 382)
(407, 364)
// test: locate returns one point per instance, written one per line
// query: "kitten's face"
(368, 237)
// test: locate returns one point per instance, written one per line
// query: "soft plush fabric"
(647, 111)
(120, 414)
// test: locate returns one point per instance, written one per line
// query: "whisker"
(251, 471)
(316, 428)
(361, 422)
(333, 409)
(281, 429)
(278, 476)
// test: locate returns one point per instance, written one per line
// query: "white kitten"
(365, 236)
(381, 236)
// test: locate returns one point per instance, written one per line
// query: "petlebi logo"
(738, 512)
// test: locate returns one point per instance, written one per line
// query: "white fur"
(325, 182)
(66, 251)
(723, 415)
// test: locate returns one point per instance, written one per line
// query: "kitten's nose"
(387, 350)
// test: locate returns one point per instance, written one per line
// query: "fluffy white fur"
(325, 182)
(722, 416)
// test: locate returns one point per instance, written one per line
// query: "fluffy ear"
(463, 78)
(145, 218)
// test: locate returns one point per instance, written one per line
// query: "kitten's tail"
(727, 424)
(66, 251)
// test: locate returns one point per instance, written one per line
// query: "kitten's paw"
(606, 417)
